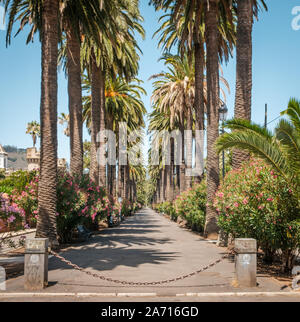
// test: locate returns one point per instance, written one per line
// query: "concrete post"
(246, 262)
(2, 279)
(36, 264)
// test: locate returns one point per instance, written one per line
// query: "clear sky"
(276, 75)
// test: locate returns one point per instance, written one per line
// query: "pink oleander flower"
(236, 204)
(270, 199)
(11, 219)
(245, 201)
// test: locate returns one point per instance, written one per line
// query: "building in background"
(33, 160)
(3, 159)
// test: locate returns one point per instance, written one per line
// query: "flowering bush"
(27, 200)
(127, 208)
(79, 201)
(191, 206)
(17, 181)
(12, 218)
(255, 202)
(168, 209)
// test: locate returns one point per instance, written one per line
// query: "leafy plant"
(280, 150)
(191, 206)
(257, 202)
(16, 181)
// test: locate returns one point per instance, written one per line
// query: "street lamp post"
(223, 111)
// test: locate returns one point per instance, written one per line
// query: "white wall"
(3, 162)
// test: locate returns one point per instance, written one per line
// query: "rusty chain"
(95, 275)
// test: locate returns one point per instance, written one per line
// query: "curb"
(206, 295)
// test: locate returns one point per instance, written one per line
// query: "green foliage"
(86, 154)
(256, 202)
(16, 181)
(2, 174)
(168, 209)
(11, 220)
(191, 206)
(79, 201)
(281, 150)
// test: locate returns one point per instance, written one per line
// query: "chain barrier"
(183, 277)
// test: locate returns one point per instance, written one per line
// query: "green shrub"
(168, 209)
(255, 202)
(11, 220)
(2, 174)
(191, 206)
(16, 181)
(79, 201)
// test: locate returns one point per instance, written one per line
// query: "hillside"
(16, 157)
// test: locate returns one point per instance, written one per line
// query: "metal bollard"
(36, 264)
(246, 262)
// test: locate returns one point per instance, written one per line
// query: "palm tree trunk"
(168, 183)
(172, 169)
(127, 181)
(113, 180)
(199, 102)
(120, 181)
(211, 227)
(75, 102)
(102, 168)
(46, 226)
(189, 148)
(162, 186)
(110, 168)
(95, 119)
(243, 96)
(177, 186)
(182, 165)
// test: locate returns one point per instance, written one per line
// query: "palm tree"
(246, 9)
(211, 12)
(34, 129)
(65, 119)
(174, 95)
(123, 103)
(281, 150)
(113, 52)
(47, 21)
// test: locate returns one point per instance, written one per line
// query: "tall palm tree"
(114, 52)
(34, 129)
(123, 103)
(211, 11)
(174, 95)
(246, 9)
(47, 20)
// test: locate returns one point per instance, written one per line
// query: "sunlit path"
(146, 248)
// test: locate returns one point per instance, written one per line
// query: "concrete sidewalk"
(146, 248)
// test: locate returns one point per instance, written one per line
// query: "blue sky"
(276, 63)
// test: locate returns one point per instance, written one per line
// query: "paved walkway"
(146, 247)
